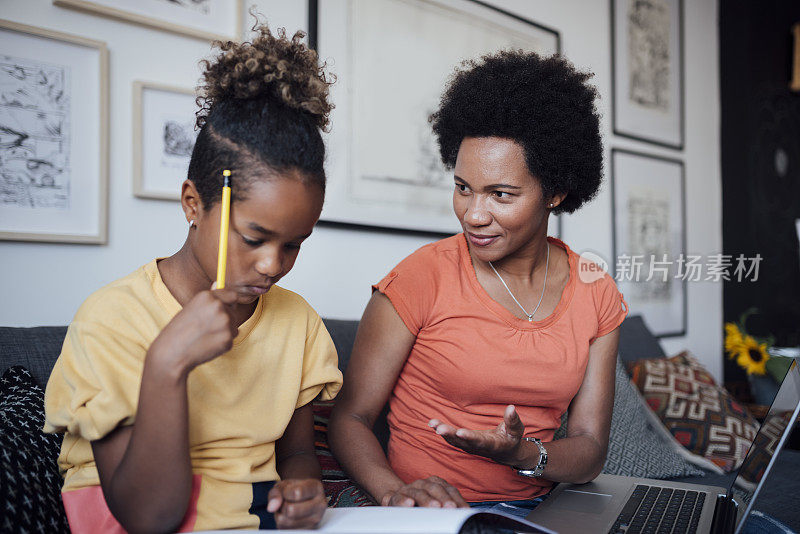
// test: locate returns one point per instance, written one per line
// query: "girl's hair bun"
(270, 67)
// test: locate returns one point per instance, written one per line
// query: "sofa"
(28, 487)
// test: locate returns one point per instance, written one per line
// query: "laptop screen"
(768, 441)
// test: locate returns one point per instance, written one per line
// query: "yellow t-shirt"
(239, 403)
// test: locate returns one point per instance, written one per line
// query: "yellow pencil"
(224, 220)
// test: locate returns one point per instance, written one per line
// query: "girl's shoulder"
(128, 294)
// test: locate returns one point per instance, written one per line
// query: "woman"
(186, 407)
(481, 341)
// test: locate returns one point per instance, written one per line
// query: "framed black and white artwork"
(392, 59)
(647, 68)
(163, 139)
(204, 19)
(53, 136)
(649, 241)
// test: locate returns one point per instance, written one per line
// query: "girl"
(186, 407)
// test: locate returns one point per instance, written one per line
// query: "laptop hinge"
(724, 520)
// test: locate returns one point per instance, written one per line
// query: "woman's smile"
(482, 240)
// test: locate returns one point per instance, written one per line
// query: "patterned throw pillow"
(634, 448)
(339, 489)
(30, 485)
(708, 427)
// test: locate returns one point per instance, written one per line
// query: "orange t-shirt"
(472, 358)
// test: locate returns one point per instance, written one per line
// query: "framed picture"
(163, 139)
(647, 70)
(205, 19)
(649, 242)
(53, 136)
(392, 59)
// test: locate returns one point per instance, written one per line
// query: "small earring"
(191, 224)
(551, 205)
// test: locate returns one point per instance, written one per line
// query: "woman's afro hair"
(542, 103)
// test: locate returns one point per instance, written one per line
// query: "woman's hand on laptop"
(431, 492)
(501, 444)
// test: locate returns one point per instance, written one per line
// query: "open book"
(397, 520)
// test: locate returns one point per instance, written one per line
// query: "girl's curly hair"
(269, 65)
(542, 103)
(262, 106)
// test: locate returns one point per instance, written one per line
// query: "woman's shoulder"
(433, 256)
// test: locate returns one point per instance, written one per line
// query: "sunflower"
(750, 355)
(733, 338)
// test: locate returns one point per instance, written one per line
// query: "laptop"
(617, 504)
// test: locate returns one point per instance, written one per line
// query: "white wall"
(45, 283)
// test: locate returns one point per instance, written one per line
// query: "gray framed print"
(392, 59)
(649, 240)
(53, 136)
(204, 19)
(647, 70)
(163, 139)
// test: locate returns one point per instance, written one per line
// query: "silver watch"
(537, 471)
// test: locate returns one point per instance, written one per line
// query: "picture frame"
(647, 68)
(54, 136)
(203, 19)
(384, 167)
(163, 139)
(649, 223)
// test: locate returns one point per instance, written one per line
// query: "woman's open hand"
(431, 492)
(297, 503)
(502, 444)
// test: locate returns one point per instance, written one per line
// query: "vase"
(763, 388)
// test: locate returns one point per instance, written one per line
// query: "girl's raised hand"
(297, 503)
(501, 444)
(201, 331)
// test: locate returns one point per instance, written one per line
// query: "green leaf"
(777, 367)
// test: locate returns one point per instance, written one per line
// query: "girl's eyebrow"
(490, 186)
(260, 229)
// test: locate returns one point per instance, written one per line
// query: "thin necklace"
(546, 266)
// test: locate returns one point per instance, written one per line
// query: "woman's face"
(496, 199)
(267, 228)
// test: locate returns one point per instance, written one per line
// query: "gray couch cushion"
(636, 341)
(634, 448)
(343, 334)
(36, 349)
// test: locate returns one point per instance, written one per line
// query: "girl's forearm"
(299, 464)
(151, 486)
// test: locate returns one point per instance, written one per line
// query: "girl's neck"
(183, 275)
(185, 278)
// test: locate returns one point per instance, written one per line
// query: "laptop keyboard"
(657, 510)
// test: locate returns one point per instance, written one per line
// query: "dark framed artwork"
(392, 59)
(647, 70)
(649, 260)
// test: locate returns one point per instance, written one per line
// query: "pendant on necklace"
(530, 318)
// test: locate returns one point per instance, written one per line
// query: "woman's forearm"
(359, 452)
(151, 486)
(577, 459)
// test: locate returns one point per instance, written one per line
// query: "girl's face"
(267, 228)
(497, 200)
